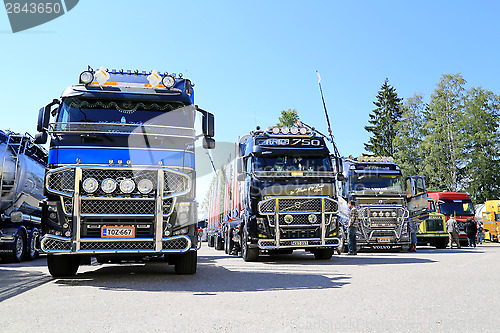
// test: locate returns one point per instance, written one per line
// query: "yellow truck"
(489, 214)
(433, 230)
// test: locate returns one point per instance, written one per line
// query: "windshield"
(292, 163)
(378, 182)
(125, 111)
(458, 208)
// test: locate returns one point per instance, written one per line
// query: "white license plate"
(117, 232)
(384, 240)
(300, 243)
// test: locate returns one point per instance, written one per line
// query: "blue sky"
(250, 60)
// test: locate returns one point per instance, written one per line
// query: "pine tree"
(288, 118)
(383, 120)
(409, 136)
(482, 113)
(443, 145)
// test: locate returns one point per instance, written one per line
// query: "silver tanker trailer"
(22, 170)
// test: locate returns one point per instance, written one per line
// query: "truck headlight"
(145, 186)
(90, 185)
(168, 81)
(312, 218)
(108, 185)
(127, 185)
(374, 214)
(86, 77)
(393, 214)
(288, 218)
(387, 214)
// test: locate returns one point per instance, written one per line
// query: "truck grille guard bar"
(277, 206)
(400, 221)
(66, 182)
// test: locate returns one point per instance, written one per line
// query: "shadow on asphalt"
(15, 281)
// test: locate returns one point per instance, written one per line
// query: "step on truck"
(388, 206)
(287, 198)
(457, 204)
(433, 230)
(22, 169)
(120, 183)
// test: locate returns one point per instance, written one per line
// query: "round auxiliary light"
(90, 185)
(372, 158)
(145, 186)
(390, 159)
(86, 77)
(360, 158)
(381, 214)
(168, 81)
(303, 130)
(294, 130)
(127, 186)
(374, 214)
(387, 214)
(312, 218)
(276, 130)
(108, 185)
(378, 159)
(285, 130)
(288, 218)
(384, 159)
(393, 214)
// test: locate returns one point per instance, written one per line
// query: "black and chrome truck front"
(120, 209)
(299, 222)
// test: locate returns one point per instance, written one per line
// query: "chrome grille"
(118, 207)
(434, 224)
(117, 245)
(120, 174)
(61, 181)
(267, 206)
(331, 206)
(175, 244)
(175, 183)
(302, 205)
(68, 205)
(52, 244)
(385, 221)
(299, 219)
(168, 206)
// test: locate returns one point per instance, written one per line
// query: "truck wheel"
(32, 252)
(226, 242)
(18, 251)
(323, 254)
(63, 265)
(186, 263)
(219, 243)
(210, 241)
(441, 243)
(248, 254)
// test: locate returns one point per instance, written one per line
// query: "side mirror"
(208, 124)
(208, 143)
(41, 138)
(240, 165)
(341, 177)
(241, 177)
(43, 119)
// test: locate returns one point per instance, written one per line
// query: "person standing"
(480, 232)
(471, 231)
(352, 228)
(452, 227)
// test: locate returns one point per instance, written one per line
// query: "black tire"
(64, 265)
(186, 263)
(18, 251)
(226, 242)
(248, 254)
(210, 241)
(441, 243)
(219, 243)
(323, 254)
(31, 251)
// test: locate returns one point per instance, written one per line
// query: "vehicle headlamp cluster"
(109, 185)
(384, 214)
(375, 159)
(288, 130)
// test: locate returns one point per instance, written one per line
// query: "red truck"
(455, 203)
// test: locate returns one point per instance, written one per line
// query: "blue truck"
(120, 180)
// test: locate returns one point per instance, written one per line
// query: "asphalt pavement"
(427, 291)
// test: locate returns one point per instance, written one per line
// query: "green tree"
(409, 136)
(443, 145)
(482, 113)
(288, 118)
(383, 120)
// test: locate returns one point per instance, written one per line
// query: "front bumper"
(57, 244)
(270, 243)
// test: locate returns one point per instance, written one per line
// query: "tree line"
(453, 140)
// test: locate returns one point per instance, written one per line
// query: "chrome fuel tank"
(22, 171)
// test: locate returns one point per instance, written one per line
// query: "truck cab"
(121, 174)
(490, 215)
(388, 206)
(433, 230)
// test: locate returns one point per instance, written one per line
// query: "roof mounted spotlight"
(180, 75)
(276, 130)
(136, 72)
(168, 81)
(86, 77)
(285, 130)
(294, 130)
(303, 130)
(121, 70)
(173, 75)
